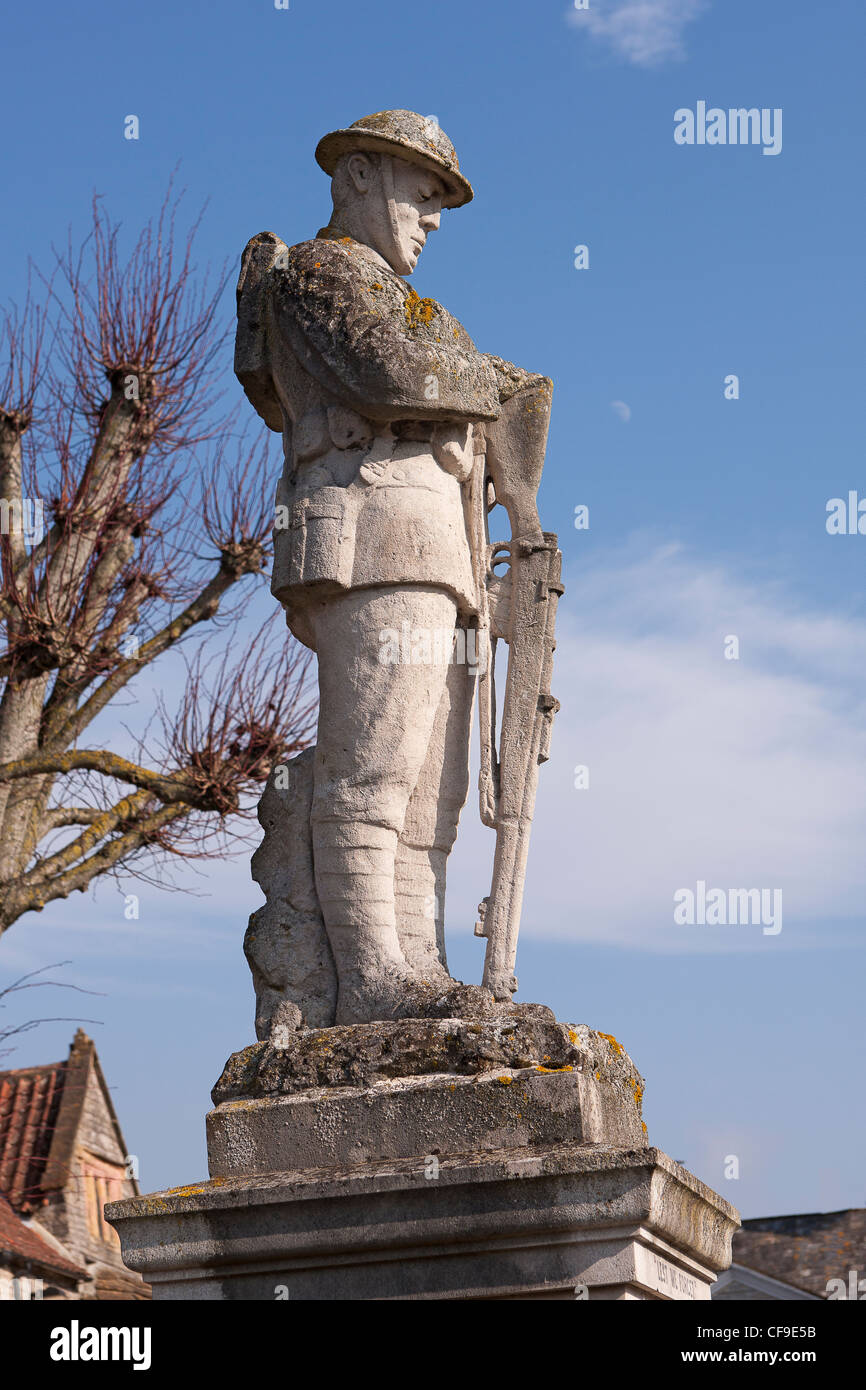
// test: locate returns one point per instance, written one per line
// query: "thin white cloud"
(744, 773)
(646, 33)
(622, 410)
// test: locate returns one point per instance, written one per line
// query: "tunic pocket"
(323, 538)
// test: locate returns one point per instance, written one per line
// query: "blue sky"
(707, 516)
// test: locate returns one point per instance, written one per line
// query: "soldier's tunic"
(357, 353)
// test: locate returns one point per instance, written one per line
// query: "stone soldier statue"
(398, 437)
(387, 412)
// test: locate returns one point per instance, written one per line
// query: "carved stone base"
(563, 1222)
(424, 1159)
(370, 1091)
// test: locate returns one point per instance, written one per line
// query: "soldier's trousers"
(391, 769)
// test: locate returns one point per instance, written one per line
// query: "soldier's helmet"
(405, 134)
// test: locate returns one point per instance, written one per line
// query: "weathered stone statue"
(399, 435)
(393, 1134)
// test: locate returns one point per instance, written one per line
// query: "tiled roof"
(29, 1106)
(806, 1251)
(26, 1246)
(40, 1113)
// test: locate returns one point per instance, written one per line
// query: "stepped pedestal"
(428, 1159)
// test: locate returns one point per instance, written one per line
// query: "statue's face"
(392, 206)
(416, 210)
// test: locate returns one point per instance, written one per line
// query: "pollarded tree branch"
(126, 810)
(202, 608)
(143, 832)
(171, 788)
(58, 816)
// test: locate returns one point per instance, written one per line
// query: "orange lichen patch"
(617, 1047)
(505, 1080)
(194, 1189)
(154, 1206)
(376, 285)
(597, 1077)
(552, 1069)
(643, 1127)
(572, 1037)
(638, 1090)
(417, 310)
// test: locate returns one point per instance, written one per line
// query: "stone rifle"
(520, 608)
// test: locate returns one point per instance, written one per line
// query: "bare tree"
(130, 517)
(30, 981)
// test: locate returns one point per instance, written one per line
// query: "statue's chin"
(403, 263)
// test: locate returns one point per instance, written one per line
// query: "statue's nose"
(430, 221)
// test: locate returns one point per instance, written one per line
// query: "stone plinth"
(511, 1162)
(357, 1094)
(561, 1222)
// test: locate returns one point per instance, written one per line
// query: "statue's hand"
(453, 449)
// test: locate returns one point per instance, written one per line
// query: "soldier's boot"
(354, 865)
(419, 894)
